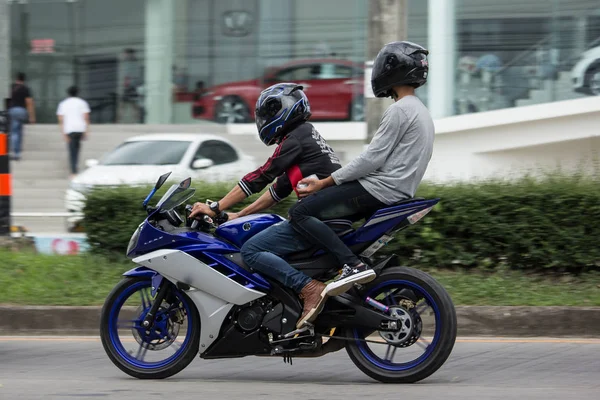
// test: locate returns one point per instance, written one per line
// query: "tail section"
(379, 228)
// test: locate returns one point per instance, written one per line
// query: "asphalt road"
(480, 368)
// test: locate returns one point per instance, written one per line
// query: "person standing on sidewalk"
(22, 109)
(131, 85)
(74, 121)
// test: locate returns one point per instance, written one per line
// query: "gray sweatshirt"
(392, 167)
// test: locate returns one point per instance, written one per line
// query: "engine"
(265, 314)
(250, 316)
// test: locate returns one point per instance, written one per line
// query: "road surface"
(479, 368)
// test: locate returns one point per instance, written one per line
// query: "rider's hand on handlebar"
(199, 209)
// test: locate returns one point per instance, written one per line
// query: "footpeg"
(308, 327)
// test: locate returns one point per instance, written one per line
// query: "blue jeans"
(349, 200)
(263, 253)
(18, 117)
(74, 146)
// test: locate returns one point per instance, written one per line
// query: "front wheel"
(156, 353)
(593, 80)
(428, 328)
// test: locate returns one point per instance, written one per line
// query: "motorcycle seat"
(340, 226)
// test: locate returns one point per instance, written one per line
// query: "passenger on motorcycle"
(282, 112)
(387, 172)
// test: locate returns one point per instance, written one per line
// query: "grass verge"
(32, 279)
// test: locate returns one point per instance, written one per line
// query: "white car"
(140, 160)
(586, 73)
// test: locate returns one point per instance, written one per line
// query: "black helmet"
(399, 64)
(279, 109)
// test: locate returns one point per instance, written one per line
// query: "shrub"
(531, 225)
(111, 215)
(550, 224)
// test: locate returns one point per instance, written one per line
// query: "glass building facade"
(185, 61)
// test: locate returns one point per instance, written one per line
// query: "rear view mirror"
(202, 163)
(91, 163)
(161, 180)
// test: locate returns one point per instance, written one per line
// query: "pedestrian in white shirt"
(74, 121)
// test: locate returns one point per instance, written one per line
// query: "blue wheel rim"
(389, 366)
(114, 335)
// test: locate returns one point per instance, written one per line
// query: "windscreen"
(175, 196)
(150, 152)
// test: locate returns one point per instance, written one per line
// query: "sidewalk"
(472, 321)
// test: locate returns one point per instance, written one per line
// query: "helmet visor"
(267, 111)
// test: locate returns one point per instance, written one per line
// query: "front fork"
(162, 286)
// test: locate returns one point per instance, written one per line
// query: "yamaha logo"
(247, 226)
(237, 23)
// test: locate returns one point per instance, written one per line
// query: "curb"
(472, 321)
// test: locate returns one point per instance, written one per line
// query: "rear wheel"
(428, 332)
(232, 110)
(155, 353)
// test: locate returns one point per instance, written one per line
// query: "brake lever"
(210, 221)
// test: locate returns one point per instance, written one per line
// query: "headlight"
(80, 187)
(134, 239)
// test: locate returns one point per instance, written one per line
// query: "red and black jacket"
(301, 153)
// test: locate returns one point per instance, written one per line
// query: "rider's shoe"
(313, 296)
(360, 273)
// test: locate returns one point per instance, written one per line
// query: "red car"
(334, 88)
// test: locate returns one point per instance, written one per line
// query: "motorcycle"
(191, 293)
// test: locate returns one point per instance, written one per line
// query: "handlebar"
(205, 218)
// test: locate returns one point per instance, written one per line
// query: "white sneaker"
(360, 273)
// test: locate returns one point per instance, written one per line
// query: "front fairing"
(235, 233)
(150, 238)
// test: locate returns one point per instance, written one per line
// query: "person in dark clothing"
(21, 110)
(282, 112)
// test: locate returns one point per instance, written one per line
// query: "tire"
(356, 109)
(187, 352)
(592, 80)
(447, 334)
(232, 110)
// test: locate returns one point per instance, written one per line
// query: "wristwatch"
(214, 207)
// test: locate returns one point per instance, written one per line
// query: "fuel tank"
(239, 230)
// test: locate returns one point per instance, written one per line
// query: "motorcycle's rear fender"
(389, 261)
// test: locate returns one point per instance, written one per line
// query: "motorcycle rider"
(387, 172)
(282, 112)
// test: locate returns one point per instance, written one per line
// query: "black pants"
(74, 146)
(347, 200)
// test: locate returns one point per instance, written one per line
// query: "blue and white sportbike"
(191, 294)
